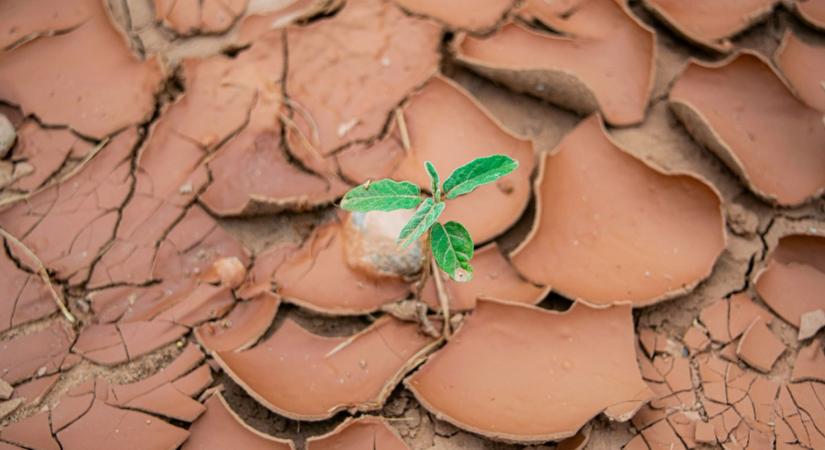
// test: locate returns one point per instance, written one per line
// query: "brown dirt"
(753, 226)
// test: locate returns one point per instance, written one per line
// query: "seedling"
(450, 244)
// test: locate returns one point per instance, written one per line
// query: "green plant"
(450, 244)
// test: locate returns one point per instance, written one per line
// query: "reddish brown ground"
(151, 144)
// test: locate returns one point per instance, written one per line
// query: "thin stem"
(443, 299)
(41, 270)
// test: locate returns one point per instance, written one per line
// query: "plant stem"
(443, 299)
(41, 270)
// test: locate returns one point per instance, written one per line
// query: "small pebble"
(7, 136)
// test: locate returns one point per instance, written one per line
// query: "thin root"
(41, 270)
(443, 300)
(402, 128)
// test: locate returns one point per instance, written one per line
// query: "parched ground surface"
(174, 175)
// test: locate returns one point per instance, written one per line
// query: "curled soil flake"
(252, 172)
(23, 20)
(812, 11)
(461, 14)
(803, 65)
(67, 225)
(649, 235)
(307, 377)
(259, 278)
(448, 127)
(364, 433)
(496, 376)
(601, 45)
(39, 353)
(759, 347)
(793, 280)
(348, 73)
(318, 277)
(710, 23)
(220, 428)
(242, 327)
(188, 17)
(168, 393)
(87, 78)
(810, 323)
(742, 111)
(493, 278)
(810, 363)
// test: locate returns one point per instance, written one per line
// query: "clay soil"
(753, 224)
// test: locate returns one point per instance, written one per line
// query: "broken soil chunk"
(167, 182)
(318, 277)
(810, 323)
(220, 428)
(46, 151)
(759, 347)
(32, 392)
(242, 327)
(471, 382)
(252, 172)
(259, 277)
(493, 278)
(23, 20)
(448, 127)
(800, 63)
(9, 406)
(810, 363)
(39, 353)
(112, 344)
(461, 14)
(32, 432)
(710, 23)
(812, 11)
(107, 427)
(168, 392)
(308, 377)
(793, 280)
(24, 296)
(359, 434)
(602, 45)
(50, 76)
(347, 73)
(187, 17)
(69, 224)
(5, 390)
(742, 111)
(649, 235)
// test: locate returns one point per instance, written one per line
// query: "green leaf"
(424, 217)
(382, 195)
(434, 181)
(476, 173)
(452, 248)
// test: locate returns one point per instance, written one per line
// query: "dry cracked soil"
(175, 272)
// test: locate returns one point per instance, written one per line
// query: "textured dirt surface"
(172, 177)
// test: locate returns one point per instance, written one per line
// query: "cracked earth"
(175, 273)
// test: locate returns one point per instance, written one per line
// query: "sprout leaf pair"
(450, 243)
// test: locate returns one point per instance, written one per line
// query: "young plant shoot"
(450, 243)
